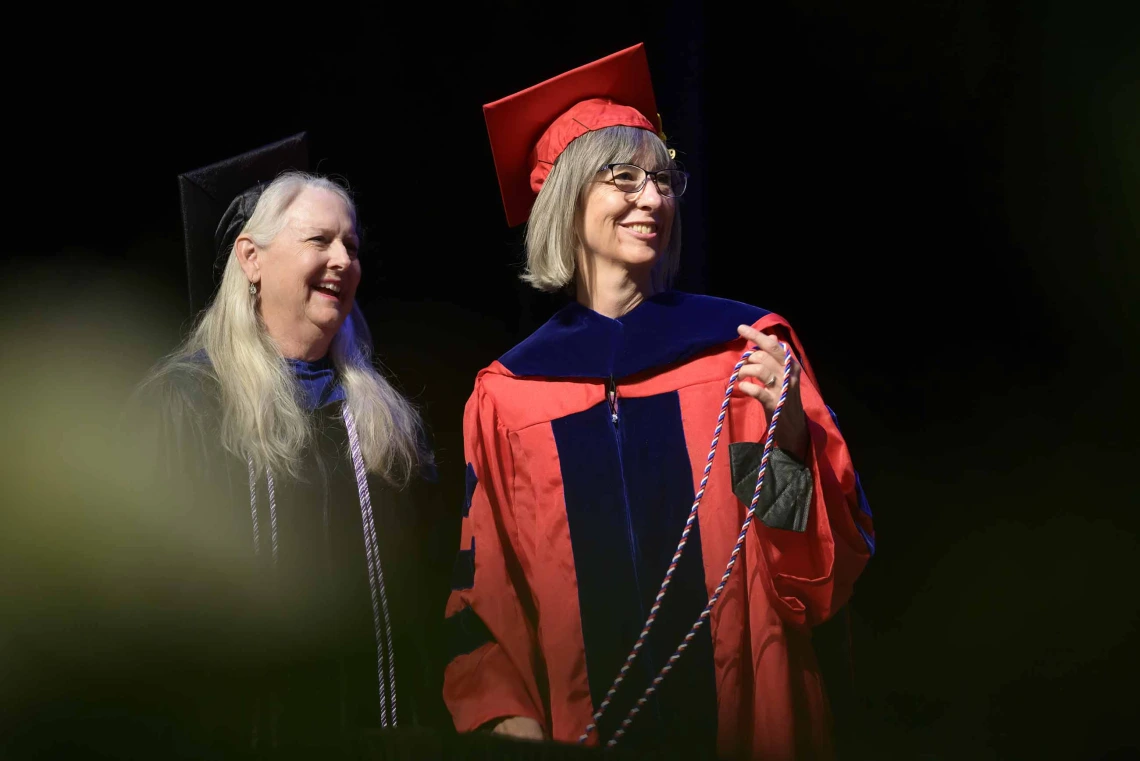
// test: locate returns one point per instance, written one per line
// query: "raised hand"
(766, 368)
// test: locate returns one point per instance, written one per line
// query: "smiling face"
(308, 274)
(627, 229)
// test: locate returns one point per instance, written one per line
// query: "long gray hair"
(261, 414)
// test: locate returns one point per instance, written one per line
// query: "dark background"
(942, 197)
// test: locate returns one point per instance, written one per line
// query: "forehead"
(649, 157)
(645, 156)
(321, 208)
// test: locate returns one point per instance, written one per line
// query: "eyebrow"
(310, 231)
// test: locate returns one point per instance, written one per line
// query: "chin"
(328, 322)
(644, 258)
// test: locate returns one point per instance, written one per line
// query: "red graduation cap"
(530, 129)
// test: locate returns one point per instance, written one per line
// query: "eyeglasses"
(630, 178)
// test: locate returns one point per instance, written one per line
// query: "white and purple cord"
(253, 509)
(384, 661)
(385, 652)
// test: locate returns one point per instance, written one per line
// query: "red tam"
(530, 129)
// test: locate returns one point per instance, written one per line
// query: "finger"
(750, 333)
(776, 350)
(761, 355)
(756, 391)
(770, 345)
(774, 363)
(763, 340)
(760, 369)
(781, 353)
(768, 375)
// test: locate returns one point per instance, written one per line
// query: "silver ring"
(771, 381)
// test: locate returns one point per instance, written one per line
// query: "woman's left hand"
(766, 366)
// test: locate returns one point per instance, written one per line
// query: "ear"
(247, 256)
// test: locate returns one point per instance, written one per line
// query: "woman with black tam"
(300, 467)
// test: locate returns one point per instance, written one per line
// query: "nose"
(649, 197)
(339, 257)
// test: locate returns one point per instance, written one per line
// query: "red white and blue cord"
(769, 442)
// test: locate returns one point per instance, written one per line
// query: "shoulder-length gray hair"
(553, 232)
(261, 414)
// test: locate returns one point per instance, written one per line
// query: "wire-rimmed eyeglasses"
(630, 178)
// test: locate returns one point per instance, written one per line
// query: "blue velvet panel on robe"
(464, 632)
(463, 572)
(628, 491)
(318, 382)
(471, 482)
(864, 505)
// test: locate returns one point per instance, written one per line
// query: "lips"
(643, 231)
(644, 228)
(328, 288)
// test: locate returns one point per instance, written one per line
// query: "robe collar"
(577, 342)
(319, 383)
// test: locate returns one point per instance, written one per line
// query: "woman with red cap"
(588, 451)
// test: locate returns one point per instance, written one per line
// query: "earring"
(252, 289)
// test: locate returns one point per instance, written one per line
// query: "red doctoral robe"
(571, 520)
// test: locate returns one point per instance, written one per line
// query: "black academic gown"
(274, 649)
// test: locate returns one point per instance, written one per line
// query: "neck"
(611, 289)
(309, 347)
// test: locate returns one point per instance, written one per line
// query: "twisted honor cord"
(768, 445)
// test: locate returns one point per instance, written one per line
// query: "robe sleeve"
(492, 649)
(200, 599)
(168, 420)
(812, 571)
(786, 499)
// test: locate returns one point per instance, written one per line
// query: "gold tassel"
(664, 139)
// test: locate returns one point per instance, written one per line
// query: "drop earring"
(252, 289)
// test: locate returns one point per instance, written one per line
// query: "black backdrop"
(942, 197)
